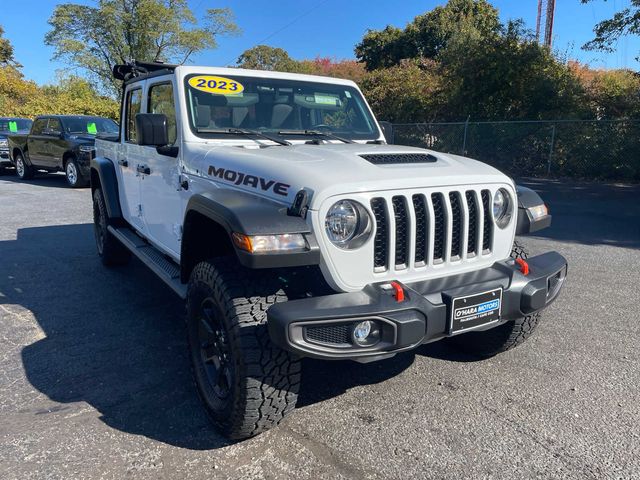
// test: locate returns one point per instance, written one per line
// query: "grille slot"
(422, 229)
(472, 233)
(329, 334)
(380, 248)
(487, 229)
(456, 226)
(399, 158)
(400, 213)
(440, 231)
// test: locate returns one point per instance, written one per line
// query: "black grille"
(421, 228)
(456, 225)
(400, 213)
(330, 334)
(440, 232)
(380, 240)
(488, 224)
(472, 235)
(394, 158)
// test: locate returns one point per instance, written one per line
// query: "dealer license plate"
(475, 310)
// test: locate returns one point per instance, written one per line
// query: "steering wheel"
(320, 126)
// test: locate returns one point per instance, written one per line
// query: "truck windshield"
(90, 125)
(276, 107)
(14, 124)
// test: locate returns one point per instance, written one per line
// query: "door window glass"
(161, 101)
(134, 106)
(38, 126)
(54, 127)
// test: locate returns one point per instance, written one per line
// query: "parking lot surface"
(95, 379)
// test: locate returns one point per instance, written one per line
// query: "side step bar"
(165, 268)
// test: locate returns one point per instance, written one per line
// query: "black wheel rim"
(215, 354)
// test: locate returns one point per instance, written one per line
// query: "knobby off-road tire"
(110, 250)
(24, 171)
(73, 175)
(246, 383)
(504, 337)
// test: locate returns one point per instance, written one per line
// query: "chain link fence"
(595, 150)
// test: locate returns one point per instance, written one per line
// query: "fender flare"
(242, 212)
(104, 170)
(526, 224)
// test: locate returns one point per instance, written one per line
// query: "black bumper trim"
(424, 314)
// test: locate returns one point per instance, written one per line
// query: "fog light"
(365, 333)
(361, 331)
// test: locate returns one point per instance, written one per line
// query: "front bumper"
(320, 327)
(4, 158)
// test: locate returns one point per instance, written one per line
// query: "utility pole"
(546, 11)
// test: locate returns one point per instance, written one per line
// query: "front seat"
(280, 114)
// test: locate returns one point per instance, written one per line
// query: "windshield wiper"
(238, 131)
(314, 133)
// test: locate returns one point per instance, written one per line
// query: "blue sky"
(326, 28)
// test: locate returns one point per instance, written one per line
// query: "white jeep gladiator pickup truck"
(272, 204)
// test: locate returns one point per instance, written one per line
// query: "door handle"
(143, 169)
(123, 162)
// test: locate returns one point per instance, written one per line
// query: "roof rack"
(136, 69)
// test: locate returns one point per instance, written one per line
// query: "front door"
(163, 199)
(57, 145)
(129, 156)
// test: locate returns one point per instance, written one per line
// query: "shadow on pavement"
(51, 180)
(590, 213)
(115, 339)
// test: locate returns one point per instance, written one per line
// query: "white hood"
(279, 172)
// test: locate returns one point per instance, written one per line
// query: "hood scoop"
(399, 158)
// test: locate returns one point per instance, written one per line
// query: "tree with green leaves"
(624, 22)
(6, 51)
(264, 57)
(507, 77)
(428, 34)
(95, 38)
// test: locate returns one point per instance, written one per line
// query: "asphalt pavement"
(95, 379)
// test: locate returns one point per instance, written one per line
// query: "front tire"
(73, 175)
(247, 383)
(24, 171)
(110, 250)
(503, 337)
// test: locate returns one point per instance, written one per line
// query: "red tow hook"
(398, 292)
(524, 266)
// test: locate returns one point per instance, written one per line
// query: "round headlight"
(342, 222)
(347, 224)
(502, 208)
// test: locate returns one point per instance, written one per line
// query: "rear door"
(130, 156)
(37, 142)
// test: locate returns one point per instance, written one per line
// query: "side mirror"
(387, 131)
(152, 129)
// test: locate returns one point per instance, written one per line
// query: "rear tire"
(503, 337)
(24, 171)
(110, 250)
(247, 383)
(73, 175)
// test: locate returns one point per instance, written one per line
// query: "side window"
(54, 126)
(38, 126)
(161, 101)
(134, 106)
